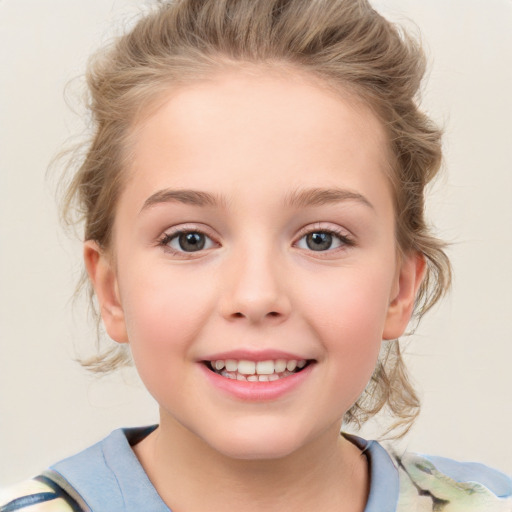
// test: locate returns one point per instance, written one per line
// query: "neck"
(329, 473)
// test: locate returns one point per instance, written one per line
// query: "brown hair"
(343, 43)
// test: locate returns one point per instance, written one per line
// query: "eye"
(323, 240)
(187, 241)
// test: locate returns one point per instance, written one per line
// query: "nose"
(255, 289)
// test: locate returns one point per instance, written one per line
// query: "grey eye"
(320, 241)
(190, 241)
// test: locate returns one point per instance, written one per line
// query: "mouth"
(257, 371)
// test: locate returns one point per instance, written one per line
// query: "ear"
(104, 281)
(410, 275)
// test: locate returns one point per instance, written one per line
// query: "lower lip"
(257, 391)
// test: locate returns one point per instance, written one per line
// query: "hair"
(343, 44)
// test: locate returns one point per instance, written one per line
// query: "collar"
(384, 479)
(108, 475)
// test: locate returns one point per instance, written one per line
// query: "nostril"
(271, 313)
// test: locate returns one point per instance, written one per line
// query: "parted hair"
(344, 44)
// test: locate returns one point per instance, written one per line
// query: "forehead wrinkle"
(302, 198)
(185, 196)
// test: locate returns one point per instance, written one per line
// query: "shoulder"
(429, 483)
(106, 474)
(33, 496)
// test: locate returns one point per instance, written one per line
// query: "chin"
(256, 444)
(256, 451)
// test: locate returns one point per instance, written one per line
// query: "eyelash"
(345, 239)
(167, 237)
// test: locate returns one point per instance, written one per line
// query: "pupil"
(319, 241)
(191, 241)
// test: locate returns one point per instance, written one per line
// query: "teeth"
(264, 367)
(262, 371)
(291, 365)
(280, 365)
(255, 378)
(246, 367)
(231, 365)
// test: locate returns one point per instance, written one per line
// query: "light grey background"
(460, 356)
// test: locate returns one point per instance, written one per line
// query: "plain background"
(460, 356)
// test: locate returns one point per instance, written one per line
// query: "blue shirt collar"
(108, 475)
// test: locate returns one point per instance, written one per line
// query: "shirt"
(108, 477)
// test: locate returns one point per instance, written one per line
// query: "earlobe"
(412, 272)
(104, 281)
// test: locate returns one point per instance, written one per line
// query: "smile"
(257, 371)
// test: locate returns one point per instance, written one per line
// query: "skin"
(255, 140)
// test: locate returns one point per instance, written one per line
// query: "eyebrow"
(185, 196)
(301, 198)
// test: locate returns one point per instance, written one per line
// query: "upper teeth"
(269, 367)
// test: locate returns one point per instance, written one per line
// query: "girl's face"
(257, 226)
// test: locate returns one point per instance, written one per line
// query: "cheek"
(353, 304)
(349, 316)
(163, 313)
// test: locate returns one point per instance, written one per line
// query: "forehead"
(241, 126)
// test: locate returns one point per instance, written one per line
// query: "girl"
(254, 230)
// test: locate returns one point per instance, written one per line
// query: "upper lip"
(254, 355)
